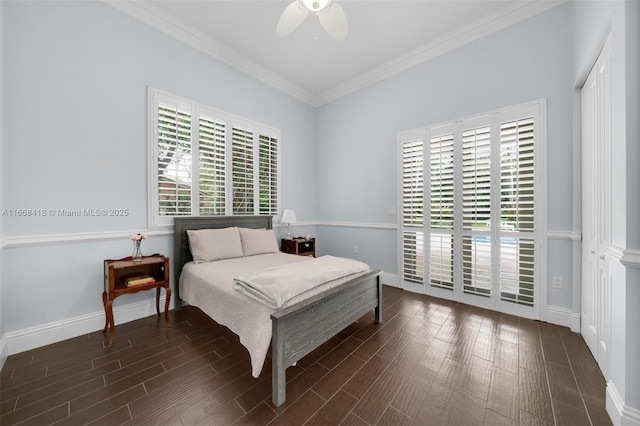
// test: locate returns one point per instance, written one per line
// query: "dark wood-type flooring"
(430, 362)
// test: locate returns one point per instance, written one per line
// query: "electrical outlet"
(355, 249)
(557, 282)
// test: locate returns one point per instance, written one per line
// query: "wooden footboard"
(301, 328)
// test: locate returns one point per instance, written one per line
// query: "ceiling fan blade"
(334, 21)
(291, 18)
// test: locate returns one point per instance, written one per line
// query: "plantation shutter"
(212, 166)
(268, 175)
(441, 253)
(173, 150)
(413, 209)
(517, 211)
(205, 162)
(476, 211)
(485, 225)
(242, 170)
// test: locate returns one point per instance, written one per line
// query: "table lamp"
(289, 217)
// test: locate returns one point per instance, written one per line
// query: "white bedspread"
(210, 287)
(275, 286)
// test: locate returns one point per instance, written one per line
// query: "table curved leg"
(106, 314)
(110, 322)
(158, 300)
(166, 304)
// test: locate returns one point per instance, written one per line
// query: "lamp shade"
(289, 216)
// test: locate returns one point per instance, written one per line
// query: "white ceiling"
(385, 37)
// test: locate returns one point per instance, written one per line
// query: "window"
(206, 162)
(441, 216)
(412, 207)
(482, 178)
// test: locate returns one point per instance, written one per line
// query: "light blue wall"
(357, 134)
(75, 136)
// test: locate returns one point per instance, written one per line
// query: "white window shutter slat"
(203, 166)
(174, 160)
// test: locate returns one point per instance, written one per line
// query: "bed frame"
(298, 329)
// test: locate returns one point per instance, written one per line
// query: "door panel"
(595, 325)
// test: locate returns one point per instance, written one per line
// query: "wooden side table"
(299, 246)
(125, 276)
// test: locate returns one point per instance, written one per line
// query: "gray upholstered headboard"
(181, 251)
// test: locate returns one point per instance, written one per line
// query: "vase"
(137, 254)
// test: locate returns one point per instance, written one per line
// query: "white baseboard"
(621, 415)
(554, 314)
(389, 279)
(4, 351)
(563, 316)
(35, 337)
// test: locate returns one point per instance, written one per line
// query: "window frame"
(198, 110)
(494, 119)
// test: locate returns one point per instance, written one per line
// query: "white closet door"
(595, 322)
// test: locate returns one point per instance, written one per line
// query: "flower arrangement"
(139, 236)
(137, 240)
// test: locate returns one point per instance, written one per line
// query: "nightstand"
(299, 246)
(125, 276)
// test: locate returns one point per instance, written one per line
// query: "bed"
(295, 329)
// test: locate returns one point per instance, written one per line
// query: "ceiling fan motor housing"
(316, 5)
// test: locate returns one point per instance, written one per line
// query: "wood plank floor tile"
(597, 412)
(431, 362)
(95, 411)
(374, 403)
(413, 391)
(503, 394)
(434, 411)
(119, 416)
(528, 419)
(336, 378)
(260, 415)
(395, 417)
(533, 394)
(164, 401)
(569, 415)
(365, 377)
(48, 417)
(300, 411)
(491, 418)
(53, 401)
(340, 352)
(353, 420)
(207, 412)
(337, 408)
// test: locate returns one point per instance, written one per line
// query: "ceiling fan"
(330, 14)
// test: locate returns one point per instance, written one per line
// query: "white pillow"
(214, 244)
(258, 241)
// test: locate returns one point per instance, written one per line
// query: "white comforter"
(210, 287)
(275, 286)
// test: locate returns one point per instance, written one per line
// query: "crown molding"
(519, 12)
(155, 17)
